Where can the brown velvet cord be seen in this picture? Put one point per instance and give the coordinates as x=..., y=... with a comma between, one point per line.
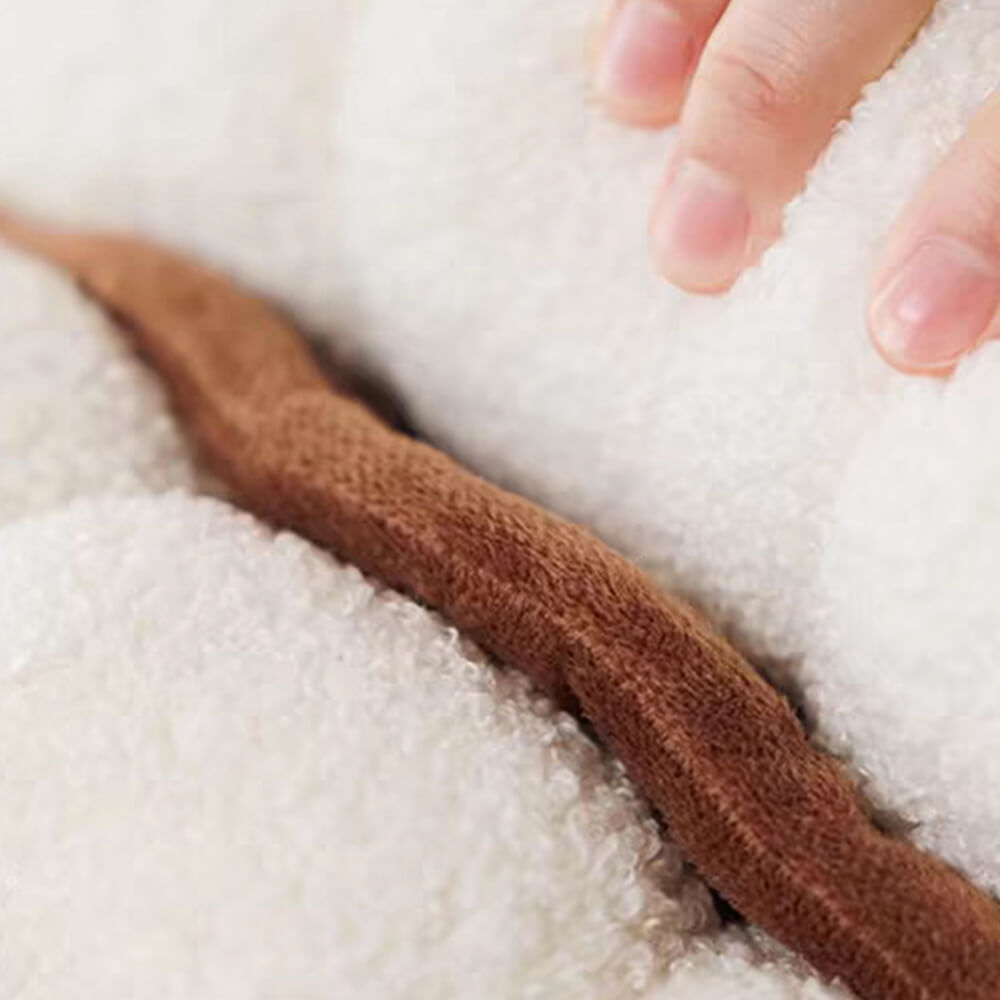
x=773, y=824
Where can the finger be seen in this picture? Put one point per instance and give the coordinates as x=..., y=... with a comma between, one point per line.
x=648, y=50
x=773, y=81
x=937, y=292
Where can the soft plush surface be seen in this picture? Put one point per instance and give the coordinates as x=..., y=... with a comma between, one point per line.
x=751, y=450
x=206, y=123
x=78, y=414
x=233, y=768
x=773, y=824
x=748, y=450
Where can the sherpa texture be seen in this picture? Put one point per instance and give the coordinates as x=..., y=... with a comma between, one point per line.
x=769, y=821
x=78, y=414
x=187, y=807
x=265, y=777
x=232, y=769
x=117, y=117
x=207, y=123
x=751, y=451
x=734, y=448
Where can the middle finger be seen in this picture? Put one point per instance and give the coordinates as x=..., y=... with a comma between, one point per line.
x=773, y=81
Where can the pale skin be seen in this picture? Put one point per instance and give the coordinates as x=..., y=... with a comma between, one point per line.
x=757, y=88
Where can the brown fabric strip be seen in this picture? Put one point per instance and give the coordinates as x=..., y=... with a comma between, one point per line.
x=774, y=825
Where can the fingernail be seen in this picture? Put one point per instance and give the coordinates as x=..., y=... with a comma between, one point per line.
x=938, y=307
x=647, y=55
x=700, y=228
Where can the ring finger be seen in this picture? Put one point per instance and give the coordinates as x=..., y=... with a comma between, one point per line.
x=766, y=90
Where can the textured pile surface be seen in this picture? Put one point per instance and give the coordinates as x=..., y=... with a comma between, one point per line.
x=774, y=825
x=209, y=124
x=751, y=450
x=78, y=414
x=233, y=768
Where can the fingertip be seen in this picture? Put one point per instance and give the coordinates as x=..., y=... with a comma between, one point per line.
x=699, y=229
x=936, y=307
x=646, y=56
x=656, y=115
x=898, y=361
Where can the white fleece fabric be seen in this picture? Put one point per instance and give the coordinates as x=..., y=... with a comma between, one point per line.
x=207, y=124
x=233, y=768
x=842, y=520
x=471, y=227
x=78, y=415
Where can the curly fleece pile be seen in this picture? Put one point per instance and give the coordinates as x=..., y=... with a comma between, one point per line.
x=750, y=451
x=771, y=822
x=233, y=768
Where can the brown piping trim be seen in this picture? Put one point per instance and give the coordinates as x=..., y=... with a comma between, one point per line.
x=770, y=822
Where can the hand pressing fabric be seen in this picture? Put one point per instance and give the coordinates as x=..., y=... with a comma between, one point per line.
x=758, y=87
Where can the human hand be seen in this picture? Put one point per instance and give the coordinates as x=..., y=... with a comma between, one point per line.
x=758, y=87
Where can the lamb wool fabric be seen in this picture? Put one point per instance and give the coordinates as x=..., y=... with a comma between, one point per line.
x=750, y=451
x=140, y=659
x=209, y=124
x=734, y=448
x=198, y=796
x=78, y=414
x=768, y=820
x=233, y=768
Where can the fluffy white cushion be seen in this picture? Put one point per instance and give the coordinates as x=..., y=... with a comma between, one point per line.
x=751, y=450
x=230, y=766
x=736, y=448
x=233, y=768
